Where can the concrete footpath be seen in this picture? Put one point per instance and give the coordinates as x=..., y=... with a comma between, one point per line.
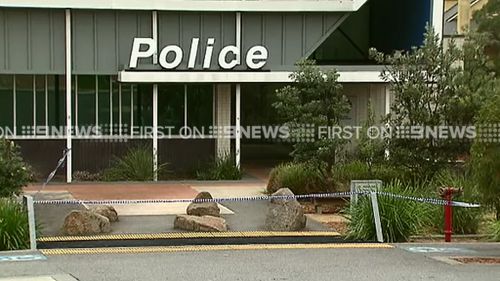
x=153, y=217
x=361, y=264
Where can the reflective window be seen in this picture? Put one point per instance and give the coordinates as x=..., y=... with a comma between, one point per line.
x=200, y=106
x=40, y=100
x=86, y=100
x=171, y=106
x=24, y=104
x=56, y=88
x=104, y=110
x=6, y=102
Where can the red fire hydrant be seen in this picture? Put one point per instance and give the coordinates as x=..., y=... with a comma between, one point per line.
x=447, y=194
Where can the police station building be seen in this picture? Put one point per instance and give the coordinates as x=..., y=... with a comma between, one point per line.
x=125, y=66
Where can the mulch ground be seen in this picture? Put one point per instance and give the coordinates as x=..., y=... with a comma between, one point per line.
x=477, y=260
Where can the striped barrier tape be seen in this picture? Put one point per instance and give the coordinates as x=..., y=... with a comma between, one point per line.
x=434, y=201
x=255, y=198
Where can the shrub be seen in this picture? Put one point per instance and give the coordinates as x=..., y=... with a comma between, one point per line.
x=14, y=227
x=465, y=220
x=222, y=168
x=399, y=218
x=86, y=176
x=135, y=165
x=486, y=154
x=300, y=178
x=14, y=173
x=494, y=231
x=316, y=98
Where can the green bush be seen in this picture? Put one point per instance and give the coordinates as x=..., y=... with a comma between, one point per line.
x=399, y=218
x=86, y=176
x=465, y=220
x=300, y=178
x=14, y=173
x=14, y=227
x=495, y=231
x=222, y=168
x=135, y=165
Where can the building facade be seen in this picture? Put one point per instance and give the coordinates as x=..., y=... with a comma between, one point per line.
x=137, y=72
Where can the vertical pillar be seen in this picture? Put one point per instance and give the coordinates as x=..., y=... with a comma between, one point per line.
x=387, y=109
x=463, y=16
x=28, y=202
x=154, y=27
x=376, y=217
x=437, y=16
x=69, y=160
x=223, y=118
x=155, y=131
x=238, y=126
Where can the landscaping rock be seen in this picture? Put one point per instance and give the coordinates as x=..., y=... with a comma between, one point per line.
x=205, y=208
x=107, y=211
x=285, y=214
x=85, y=223
x=200, y=224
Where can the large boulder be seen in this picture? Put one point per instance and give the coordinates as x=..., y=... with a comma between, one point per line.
x=200, y=224
x=285, y=214
x=203, y=208
x=85, y=223
x=107, y=211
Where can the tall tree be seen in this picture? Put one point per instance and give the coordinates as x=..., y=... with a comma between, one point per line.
x=487, y=21
x=428, y=87
x=314, y=100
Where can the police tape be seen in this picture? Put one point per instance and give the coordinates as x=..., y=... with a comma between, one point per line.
x=433, y=201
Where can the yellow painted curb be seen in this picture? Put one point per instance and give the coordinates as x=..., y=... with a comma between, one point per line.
x=204, y=248
x=179, y=235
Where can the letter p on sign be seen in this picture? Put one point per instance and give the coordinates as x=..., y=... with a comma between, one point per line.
x=137, y=53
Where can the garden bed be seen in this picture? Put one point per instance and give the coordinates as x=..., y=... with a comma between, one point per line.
x=478, y=260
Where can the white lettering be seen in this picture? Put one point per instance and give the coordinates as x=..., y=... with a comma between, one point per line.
x=256, y=57
x=136, y=50
x=177, y=58
x=223, y=55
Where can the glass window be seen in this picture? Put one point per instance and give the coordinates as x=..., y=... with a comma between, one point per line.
x=6, y=103
x=40, y=100
x=86, y=100
x=104, y=110
x=56, y=100
x=24, y=104
x=126, y=93
x=200, y=106
x=115, y=124
x=143, y=103
x=171, y=106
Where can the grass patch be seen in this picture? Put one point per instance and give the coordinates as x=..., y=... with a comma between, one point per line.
x=223, y=168
x=14, y=227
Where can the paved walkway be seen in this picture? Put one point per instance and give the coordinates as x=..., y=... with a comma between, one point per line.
x=361, y=264
x=142, y=218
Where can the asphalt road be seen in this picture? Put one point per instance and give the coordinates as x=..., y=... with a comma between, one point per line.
x=309, y=264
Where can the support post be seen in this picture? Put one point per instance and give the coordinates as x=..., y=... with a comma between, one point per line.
x=238, y=126
x=448, y=218
x=155, y=132
x=437, y=17
x=376, y=216
x=69, y=158
x=28, y=202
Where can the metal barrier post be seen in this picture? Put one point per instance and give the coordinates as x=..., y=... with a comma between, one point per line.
x=28, y=202
x=448, y=219
x=376, y=216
